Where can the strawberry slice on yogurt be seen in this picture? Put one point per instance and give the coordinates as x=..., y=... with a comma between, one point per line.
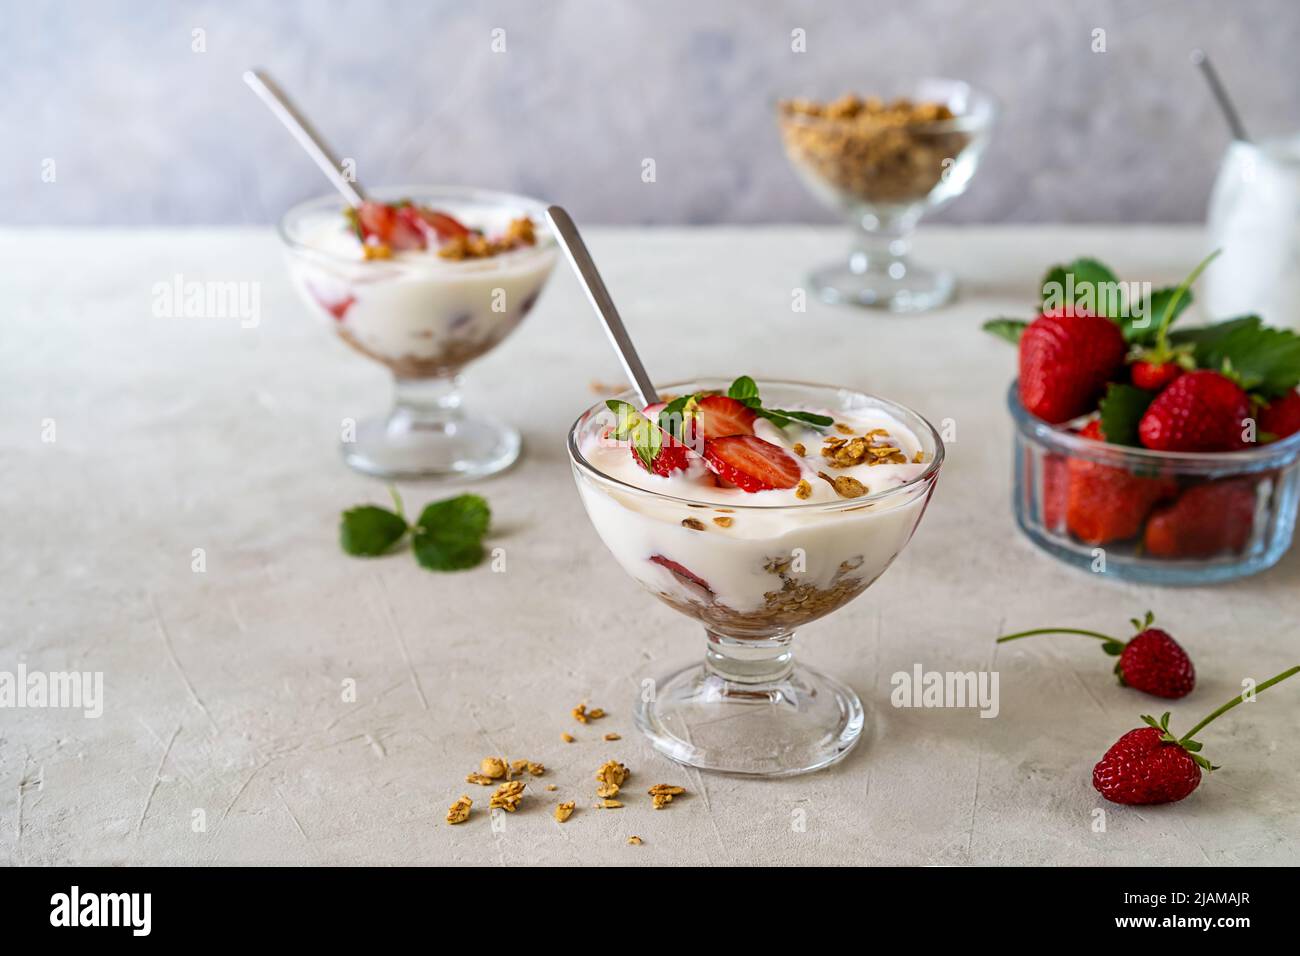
x=750, y=463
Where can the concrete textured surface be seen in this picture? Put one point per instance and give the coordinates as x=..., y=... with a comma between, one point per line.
x=142, y=129
x=223, y=690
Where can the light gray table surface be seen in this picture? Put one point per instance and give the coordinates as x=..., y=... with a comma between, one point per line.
x=225, y=735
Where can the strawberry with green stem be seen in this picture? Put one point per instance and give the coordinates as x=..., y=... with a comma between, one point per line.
x=1151, y=765
x=1151, y=661
x=1156, y=366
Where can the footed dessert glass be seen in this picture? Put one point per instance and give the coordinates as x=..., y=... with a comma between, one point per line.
x=749, y=708
x=883, y=168
x=424, y=318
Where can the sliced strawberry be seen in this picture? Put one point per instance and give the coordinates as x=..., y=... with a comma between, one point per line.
x=673, y=456
x=391, y=225
x=680, y=572
x=335, y=307
x=445, y=226
x=751, y=463
x=723, y=416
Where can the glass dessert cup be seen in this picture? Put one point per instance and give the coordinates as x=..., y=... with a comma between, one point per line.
x=883, y=177
x=749, y=708
x=1155, y=517
x=424, y=318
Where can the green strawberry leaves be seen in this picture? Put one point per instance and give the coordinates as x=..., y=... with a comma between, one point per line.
x=638, y=431
x=1008, y=329
x=449, y=534
x=447, y=537
x=1122, y=409
x=1085, y=283
x=1263, y=359
x=369, y=531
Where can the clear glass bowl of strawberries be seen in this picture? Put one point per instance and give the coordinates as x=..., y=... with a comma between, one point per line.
x=1148, y=452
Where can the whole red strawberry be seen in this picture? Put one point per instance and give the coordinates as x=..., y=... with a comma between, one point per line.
x=1066, y=359
x=1154, y=663
x=1206, y=519
x=1200, y=411
x=1154, y=376
x=1151, y=661
x=1151, y=765
x=1105, y=503
x=1144, y=767
x=1280, y=417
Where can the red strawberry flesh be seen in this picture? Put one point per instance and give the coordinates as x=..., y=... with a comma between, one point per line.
x=722, y=416
x=750, y=463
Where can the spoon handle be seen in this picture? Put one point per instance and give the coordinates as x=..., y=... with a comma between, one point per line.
x=302, y=131
x=1202, y=62
x=575, y=250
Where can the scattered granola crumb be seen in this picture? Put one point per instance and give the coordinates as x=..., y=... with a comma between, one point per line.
x=608, y=804
x=661, y=794
x=695, y=524
x=564, y=810
x=918, y=458
x=722, y=521
x=376, y=250
x=551, y=786
x=481, y=779
x=843, y=429
x=507, y=796
x=799, y=449
x=803, y=489
x=568, y=738
x=493, y=767
x=596, y=713
x=519, y=767
x=613, y=736
x=635, y=841
x=611, y=776
x=458, y=812
x=580, y=713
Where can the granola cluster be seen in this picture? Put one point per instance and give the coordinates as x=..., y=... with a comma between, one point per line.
x=475, y=245
x=458, y=812
x=661, y=794
x=507, y=796
x=870, y=150
x=611, y=777
x=582, y=715
x=876, y=447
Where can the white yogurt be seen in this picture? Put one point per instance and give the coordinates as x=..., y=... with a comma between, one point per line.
x=766, y=526
x=416, y=307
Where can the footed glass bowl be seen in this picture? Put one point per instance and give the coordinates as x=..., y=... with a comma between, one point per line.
x=749, y=708
x=1151, y=516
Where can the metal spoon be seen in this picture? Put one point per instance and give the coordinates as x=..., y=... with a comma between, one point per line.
x=575, y=250
x=301, y=130
x=1202, y=61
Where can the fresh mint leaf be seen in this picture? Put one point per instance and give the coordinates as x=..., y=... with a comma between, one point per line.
x=449, y=534
x=1085, y=283
x=1009, y=329
x=1122, y=409
x=369, y=530
x=743, y=388
x=1265, y=360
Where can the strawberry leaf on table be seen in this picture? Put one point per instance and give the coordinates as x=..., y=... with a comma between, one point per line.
x=1009, y=329
x=1122, y=409
x=1058, y=290
x=449, y=534
x=1263, y=359
x=369, y=530
x=745, y=391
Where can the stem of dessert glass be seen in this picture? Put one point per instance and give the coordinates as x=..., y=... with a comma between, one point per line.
x=749, y=660
x=883, y=238
x=425, y=404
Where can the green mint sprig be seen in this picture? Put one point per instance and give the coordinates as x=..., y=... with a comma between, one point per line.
x=745, y=391
x=448, y=536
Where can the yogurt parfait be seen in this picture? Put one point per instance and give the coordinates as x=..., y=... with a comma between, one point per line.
x=754, y=511
x=423, y=280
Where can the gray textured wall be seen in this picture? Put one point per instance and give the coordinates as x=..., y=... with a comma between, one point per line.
x=143, y=129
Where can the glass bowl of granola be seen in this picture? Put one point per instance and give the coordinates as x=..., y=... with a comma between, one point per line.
x=883, y=161
x=754, y=512
x=423, y=280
